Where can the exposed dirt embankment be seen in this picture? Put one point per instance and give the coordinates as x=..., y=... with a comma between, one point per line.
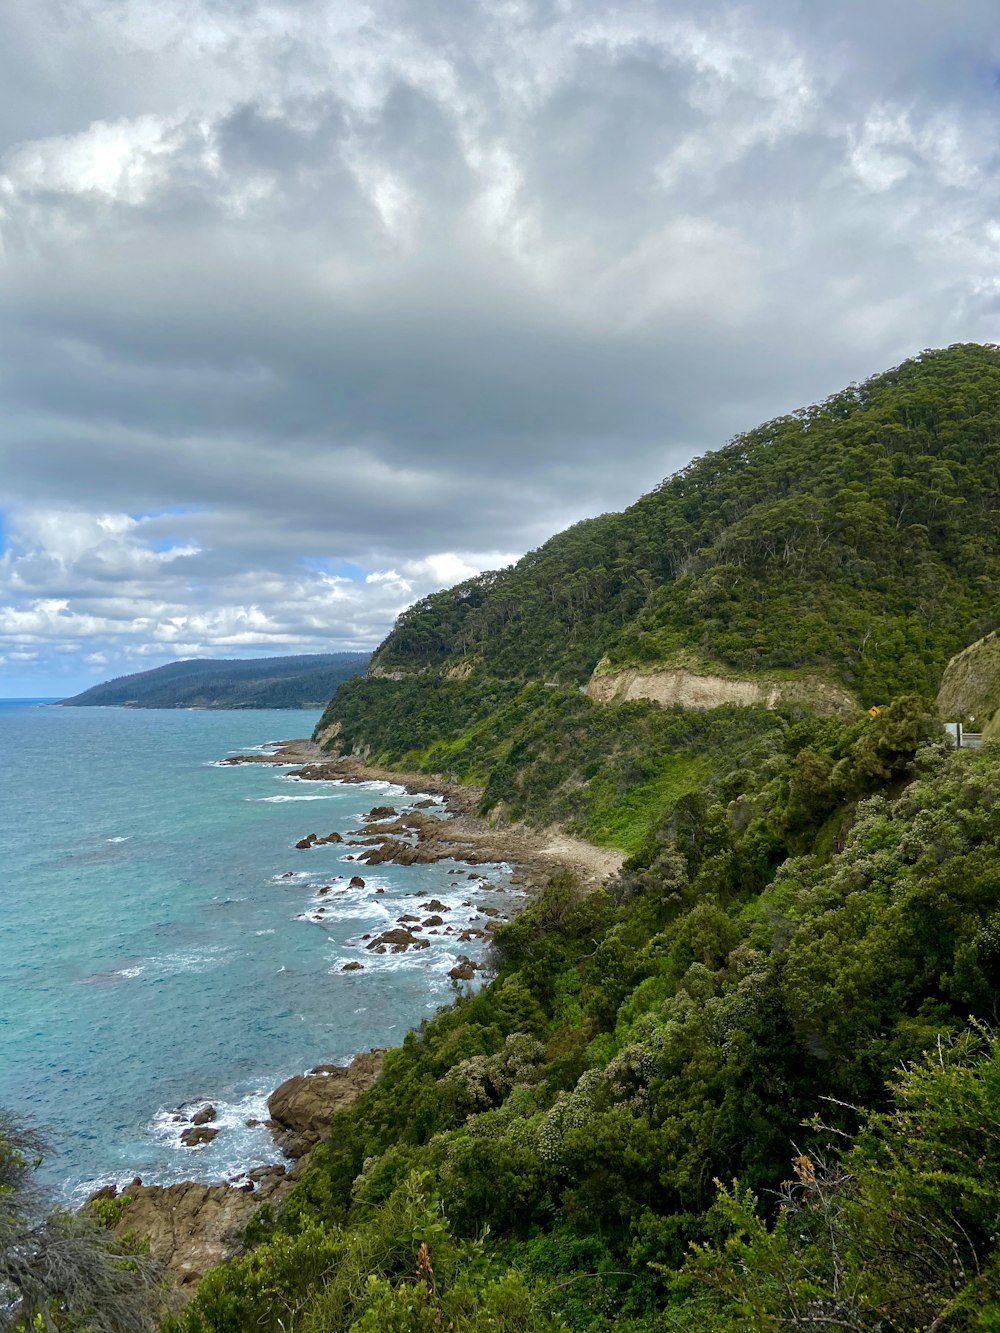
x=970, y=687
x=691, y=689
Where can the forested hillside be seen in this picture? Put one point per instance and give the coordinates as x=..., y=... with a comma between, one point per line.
x=792, y=981
x=305, y=681
x=854, y=542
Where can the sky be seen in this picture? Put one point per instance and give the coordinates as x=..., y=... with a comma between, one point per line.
x=308, y=308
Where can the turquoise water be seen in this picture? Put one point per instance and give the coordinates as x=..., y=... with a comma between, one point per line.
x=157, y=951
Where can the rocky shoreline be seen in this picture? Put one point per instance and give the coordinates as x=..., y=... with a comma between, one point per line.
x=191, y=1227
x=536, y=854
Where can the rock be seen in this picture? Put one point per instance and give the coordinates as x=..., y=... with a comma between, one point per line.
x=486, y=910
x=305, y=843
x=434, y=906
x=434, y=921
x=356, y=882
x=324, y=891
x=330, y=838
x=408, y=916
x=193, y=1227
x=424, y=805
x=381, y=812
x=302, y=1105
x=396, y=941
x=380, y=890
x=353, y=967
x=204, y=1117
x=252, y=1123
x=464, y=969
x=197, y=1135
x=470, y=933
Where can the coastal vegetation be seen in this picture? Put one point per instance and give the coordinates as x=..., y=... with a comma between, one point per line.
x=853, y=542
x=753, y=1083
x=60, y=1269
x=305, y=681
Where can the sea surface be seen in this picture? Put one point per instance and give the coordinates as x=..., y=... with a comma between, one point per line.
x=165, y=945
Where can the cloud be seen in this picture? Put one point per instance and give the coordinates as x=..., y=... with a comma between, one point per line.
x=298, y=285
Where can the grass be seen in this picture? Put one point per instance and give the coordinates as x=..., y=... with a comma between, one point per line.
x=627, y=822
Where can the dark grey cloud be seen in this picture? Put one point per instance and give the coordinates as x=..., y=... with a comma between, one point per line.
x=404, y=288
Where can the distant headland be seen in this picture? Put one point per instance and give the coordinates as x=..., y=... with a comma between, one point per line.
x=304, y=681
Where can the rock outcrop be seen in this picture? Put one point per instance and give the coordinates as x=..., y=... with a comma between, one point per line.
x=301, y=1107
x=970, y=687
x=314, y=840
x=191, y=1227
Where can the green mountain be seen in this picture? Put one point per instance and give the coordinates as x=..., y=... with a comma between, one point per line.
x=305, y=681
x=831, y=559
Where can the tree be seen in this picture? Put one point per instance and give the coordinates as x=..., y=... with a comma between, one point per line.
x=61, y=1270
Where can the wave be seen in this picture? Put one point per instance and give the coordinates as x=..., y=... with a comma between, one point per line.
x=237, y=1143
x=168, y=964
x=277, y=800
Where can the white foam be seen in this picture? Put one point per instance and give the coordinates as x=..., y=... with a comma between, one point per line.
x=167, y=1126
x=193, y=960
x=117, y=839
x=278, y=800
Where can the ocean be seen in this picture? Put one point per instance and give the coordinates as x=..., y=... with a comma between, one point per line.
x=162, y=938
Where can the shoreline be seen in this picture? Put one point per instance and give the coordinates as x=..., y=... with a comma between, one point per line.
x=536, y=854
x=190, y=1224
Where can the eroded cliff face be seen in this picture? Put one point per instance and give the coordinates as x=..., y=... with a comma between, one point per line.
x=192, y=1227
x=970, y=687
x=670, y=686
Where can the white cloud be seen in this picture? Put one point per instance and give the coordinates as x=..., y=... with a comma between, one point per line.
x=290, y=287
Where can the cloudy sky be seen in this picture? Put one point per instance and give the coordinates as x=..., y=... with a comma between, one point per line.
x=308, y=307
